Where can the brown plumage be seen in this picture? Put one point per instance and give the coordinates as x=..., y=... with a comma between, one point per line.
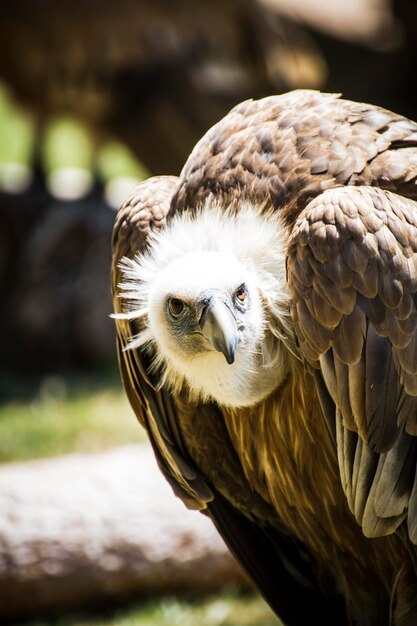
x=312, y=481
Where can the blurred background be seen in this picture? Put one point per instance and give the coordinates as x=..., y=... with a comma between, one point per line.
x=95, y=97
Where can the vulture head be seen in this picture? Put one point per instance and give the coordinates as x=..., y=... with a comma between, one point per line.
x=213, y=303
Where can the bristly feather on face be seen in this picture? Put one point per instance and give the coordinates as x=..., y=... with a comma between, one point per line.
x=213, y=249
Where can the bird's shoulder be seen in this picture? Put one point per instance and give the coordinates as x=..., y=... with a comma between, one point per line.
x=283, y=150
x=146, y=207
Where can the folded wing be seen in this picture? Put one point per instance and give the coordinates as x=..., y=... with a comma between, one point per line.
x=352, y=272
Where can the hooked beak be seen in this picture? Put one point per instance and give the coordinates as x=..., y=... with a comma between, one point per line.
x=219, y=327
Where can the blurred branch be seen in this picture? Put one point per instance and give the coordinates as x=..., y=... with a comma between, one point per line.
x=86, y=527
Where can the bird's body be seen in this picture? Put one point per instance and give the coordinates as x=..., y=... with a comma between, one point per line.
x=266, y=329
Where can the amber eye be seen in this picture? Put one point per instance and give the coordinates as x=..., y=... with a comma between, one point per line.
x=176, y=307
x=241, y=294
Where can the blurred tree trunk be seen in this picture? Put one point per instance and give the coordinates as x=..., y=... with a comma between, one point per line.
x=84, y=529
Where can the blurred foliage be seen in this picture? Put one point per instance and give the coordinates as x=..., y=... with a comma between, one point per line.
x=67, y=143
x=75, y=415
x=115, y=159
x=226, y=610
x=16, y=131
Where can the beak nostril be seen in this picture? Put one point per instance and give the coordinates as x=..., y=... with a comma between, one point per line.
x=206, y=300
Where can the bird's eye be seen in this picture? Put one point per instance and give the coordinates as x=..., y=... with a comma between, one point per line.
x=176, y=307
x=241, y=293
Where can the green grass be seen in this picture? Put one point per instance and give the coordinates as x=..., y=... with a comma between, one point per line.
x=67, y=416
x=220, y=611
x=226, y=610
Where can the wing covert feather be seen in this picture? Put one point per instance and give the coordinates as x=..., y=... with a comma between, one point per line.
x=367, y=350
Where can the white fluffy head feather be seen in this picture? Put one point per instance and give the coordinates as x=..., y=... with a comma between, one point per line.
x=213, y=248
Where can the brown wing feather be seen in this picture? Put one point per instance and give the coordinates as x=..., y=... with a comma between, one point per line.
x=371, y=373
x=284, y=150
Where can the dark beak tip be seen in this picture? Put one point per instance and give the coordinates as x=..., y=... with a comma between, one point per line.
x=230, y=352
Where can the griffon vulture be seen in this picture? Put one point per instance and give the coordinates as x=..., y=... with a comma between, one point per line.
x=265, y=304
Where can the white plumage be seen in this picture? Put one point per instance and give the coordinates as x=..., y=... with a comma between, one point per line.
x=213, y=250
